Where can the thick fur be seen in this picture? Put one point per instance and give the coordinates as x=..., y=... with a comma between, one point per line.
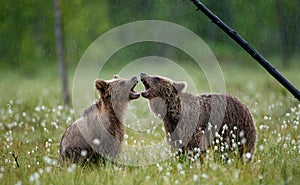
x=195, y=122
x=99, y=133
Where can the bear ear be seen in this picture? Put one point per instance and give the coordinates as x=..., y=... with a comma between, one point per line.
x=101, y=85
x=180, y=86
x=116, y=76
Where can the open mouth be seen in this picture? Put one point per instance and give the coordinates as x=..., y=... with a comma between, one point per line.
x=132, y=94
x=146, y=93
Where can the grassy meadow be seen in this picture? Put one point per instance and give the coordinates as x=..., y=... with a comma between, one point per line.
x=33, y=119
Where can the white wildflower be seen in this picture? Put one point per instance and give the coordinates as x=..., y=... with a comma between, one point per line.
x=179, y=166
x=236, y=174
x=204, y=176
x=243, y=141
x=261, y=147
x=195, y=177
x=96, y=141
x=83, y=153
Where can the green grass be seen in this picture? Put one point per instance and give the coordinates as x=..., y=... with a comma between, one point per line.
x=33, y=119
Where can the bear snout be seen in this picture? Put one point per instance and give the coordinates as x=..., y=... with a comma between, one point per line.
x=143, y=75
x=132, y=94
x=134, y=79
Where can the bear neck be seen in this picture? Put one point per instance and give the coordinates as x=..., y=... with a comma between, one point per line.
x=115, y=113
x=172, y=118
x=115, y=124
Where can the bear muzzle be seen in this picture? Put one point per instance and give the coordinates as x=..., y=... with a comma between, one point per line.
x=133, y=94
x=146, y=93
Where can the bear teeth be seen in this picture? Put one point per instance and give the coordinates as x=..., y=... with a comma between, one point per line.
x=132, y=88
x=146, y=93
x=147, y=86
x=133, y=94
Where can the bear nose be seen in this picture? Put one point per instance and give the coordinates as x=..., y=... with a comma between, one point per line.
x=143, y=75
x=134, y=78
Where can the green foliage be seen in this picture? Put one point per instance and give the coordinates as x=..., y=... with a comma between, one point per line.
x=27, y=33
x=27, y=27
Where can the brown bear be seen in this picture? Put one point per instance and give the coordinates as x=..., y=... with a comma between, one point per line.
x=99, y=133
x=195, y=122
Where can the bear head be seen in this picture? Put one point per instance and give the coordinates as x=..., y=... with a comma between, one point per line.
x=117, y=90
x=160, y=87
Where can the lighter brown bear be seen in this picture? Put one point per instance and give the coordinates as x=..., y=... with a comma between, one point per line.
x=196, y=122
x=99, y=133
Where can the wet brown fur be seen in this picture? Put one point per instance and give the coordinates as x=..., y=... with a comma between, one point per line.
x=102, y=121
x=187, y=117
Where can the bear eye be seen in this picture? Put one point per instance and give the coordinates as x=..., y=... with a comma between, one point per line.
x=156, y=79
x=122, y=83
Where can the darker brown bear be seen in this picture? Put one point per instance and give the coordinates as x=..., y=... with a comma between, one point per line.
x=99, y=133
x=195, y=122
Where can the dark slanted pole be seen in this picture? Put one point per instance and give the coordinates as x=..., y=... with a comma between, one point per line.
x=244, y=44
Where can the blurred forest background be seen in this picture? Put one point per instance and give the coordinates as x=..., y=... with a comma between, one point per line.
x=28, y=44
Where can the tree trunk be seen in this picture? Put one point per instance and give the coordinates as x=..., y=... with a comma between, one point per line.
x=60, y=52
